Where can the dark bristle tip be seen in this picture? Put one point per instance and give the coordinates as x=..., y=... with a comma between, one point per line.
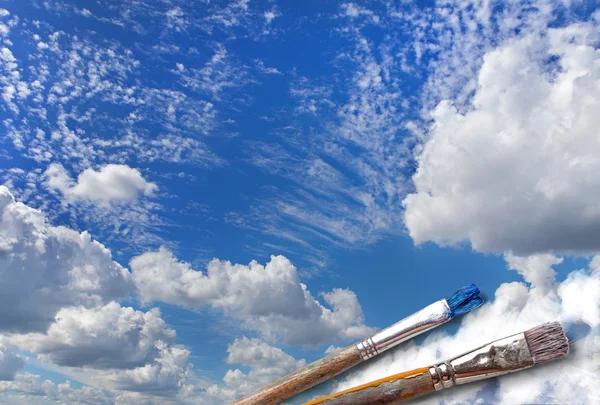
x=547, y=342
x=464, y=300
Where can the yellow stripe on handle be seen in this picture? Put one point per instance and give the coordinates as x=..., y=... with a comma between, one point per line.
x=388, y=390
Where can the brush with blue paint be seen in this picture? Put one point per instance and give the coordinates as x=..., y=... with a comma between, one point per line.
x=462, y=301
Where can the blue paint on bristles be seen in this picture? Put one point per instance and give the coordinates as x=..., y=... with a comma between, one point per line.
x=464, y=300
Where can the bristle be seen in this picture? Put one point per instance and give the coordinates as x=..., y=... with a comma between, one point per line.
x=464, y=300
x=547, y=342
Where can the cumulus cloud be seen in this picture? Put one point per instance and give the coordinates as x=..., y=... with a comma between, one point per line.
x=267, y=364
x=284, y=308
x=44, y=268
x=10, y=361
x=112, y=182
x=57, y=301
x=167, y=374
x=517, y=170
x=110, y=336
x=123, y=349
x=536, y=269
x=516, y=307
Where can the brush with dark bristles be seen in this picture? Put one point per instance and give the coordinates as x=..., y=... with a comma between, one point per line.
x=462, y=301
x=547, y=342
x=541, y=344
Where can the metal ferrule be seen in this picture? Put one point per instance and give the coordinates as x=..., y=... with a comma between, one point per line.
x=419, y=322
x=497, y=358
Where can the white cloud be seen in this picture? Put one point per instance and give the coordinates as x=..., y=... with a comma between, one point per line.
x=57, y=285
x=537, y=269
x=270, y=16
x=260, y=66
x=176, y=19
x=516, y=171
x=351, y=10
x=284, y=309
x=10, y=361
x=233, y=14
x=106, y=337
x=10, y=79
x=111, y=183
x=85, y=12
x=354, y=10
x=267, y=364
x=45, y=267
x=516, y=307
x=332, y=349
x=167, y=374
x=117, y=348
x=219, y=73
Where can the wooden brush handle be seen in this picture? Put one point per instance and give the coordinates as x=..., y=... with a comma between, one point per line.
x=389, y=390
x=305, y=378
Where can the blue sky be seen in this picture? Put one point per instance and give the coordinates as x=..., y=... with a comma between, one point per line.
x=373, y=156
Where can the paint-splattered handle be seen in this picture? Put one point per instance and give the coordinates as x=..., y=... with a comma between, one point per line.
x=305, y=378
x=387, y=391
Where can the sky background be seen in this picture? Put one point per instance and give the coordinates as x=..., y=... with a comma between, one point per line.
x=202, y=196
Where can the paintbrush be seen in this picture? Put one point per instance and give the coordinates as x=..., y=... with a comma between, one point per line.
x=541, y=344
x=464, y=300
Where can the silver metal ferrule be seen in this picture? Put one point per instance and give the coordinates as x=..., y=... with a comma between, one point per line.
x=497, y=358
x=413, y=325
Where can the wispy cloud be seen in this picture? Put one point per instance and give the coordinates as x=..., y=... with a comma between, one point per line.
x=351, y=174
x=219, y=73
